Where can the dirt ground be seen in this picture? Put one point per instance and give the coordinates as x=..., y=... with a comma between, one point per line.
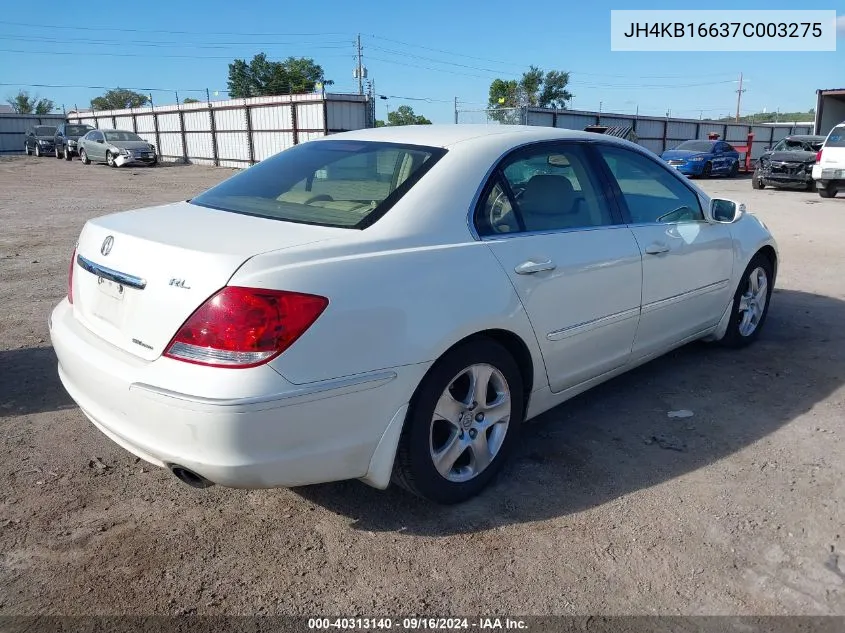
x=591, y=516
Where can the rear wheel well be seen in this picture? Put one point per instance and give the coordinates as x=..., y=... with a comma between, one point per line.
x=517, y=348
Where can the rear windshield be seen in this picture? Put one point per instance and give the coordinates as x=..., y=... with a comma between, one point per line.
x=837, y=137
x=77, y=130
x=696, y=146
x=347, y=184
x=44, y=130
x=117, y=135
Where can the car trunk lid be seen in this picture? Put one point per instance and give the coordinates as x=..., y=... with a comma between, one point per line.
x=140, y=274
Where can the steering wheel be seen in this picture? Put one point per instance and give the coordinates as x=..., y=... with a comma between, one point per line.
x=497, y=212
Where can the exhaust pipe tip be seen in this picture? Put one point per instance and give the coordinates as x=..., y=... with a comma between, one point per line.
x=190, y=478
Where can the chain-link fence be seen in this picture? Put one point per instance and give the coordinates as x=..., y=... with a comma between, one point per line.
x=496, y=116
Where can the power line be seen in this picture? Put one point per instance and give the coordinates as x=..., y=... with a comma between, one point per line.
x=219, y=45
x=125, y=30
x=87, y=54
x=145, y=89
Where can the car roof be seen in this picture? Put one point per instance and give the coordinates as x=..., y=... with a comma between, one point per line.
x=445, y=135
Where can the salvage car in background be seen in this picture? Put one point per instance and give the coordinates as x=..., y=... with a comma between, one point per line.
x=703, y=158
x=116, y=148
x=276, y=330
x=789, y=163
x=66, y=139
x=829, y=170
x=39, y=140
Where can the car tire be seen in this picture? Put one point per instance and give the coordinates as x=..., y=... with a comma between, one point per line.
x=84, y=157
x=744, y=326
x=68, y=155
x=707, y=171
x=734, y=172
x=470, y=464
x=57, y=153
x=757, y=181
x=154, y=163
x=110, y=160
x=828, y=192
x=27, y=150
x=37, y=150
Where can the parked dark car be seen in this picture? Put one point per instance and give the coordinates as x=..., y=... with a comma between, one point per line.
x=703, y=158
x=39, y=140
x=67, y=136
x=789, y=163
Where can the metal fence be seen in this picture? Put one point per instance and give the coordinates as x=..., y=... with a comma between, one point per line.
x=237, y=132
x=654, y=133
x=13, y=129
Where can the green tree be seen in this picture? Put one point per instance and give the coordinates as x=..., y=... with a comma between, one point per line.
x=190, y=100
x=119, y=99
x=261, y=76
x=22, y=103
x=535, y=88
x=405, y=115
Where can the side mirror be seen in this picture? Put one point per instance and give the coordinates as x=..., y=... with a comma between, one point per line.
x=725, y=211
x=100, y=141
x=767, y=149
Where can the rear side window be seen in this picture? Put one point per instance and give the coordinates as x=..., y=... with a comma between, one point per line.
x=650, y=191
x=836, y=137
x=347, y=184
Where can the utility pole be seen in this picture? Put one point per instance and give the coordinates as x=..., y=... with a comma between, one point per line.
x=456, y=110
x=360, y=72
x=739, y=97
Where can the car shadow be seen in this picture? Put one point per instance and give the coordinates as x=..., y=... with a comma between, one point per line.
x=29, y=382
x=618, y=438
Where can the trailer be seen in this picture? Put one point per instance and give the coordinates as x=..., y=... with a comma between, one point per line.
x=830, y=110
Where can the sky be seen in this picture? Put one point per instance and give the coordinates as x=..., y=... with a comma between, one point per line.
x=422, y=54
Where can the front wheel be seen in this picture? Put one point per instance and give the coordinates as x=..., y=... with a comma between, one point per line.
x=828, y=192
x=757, y=181
x=110, y=159
x=751, y=303
x=463, y=420
x=27, y=150
x=84, y=157
x=68, y=155
x=708, y=170
x=57, y=152
x=734, y=170
x=37, y=150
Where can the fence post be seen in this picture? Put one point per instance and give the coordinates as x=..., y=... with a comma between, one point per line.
x=665, y=132
x=213, y=135
x=183, y=135
x=325, y=116
x=293, y=123
x=155, y=127
x=249, y=144
x=698, y=130
x=134, y=120
x=772, y=136
x=725, y=132
x=554, y=118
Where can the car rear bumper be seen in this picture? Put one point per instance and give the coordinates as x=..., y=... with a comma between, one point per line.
x=279, y=434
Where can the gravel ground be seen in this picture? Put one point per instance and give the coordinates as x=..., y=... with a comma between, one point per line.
x=591, y=516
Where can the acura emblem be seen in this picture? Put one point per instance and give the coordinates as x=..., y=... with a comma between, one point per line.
x=105, y=249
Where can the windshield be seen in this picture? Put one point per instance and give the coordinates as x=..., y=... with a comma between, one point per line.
x=330, y=183
x=696, y=146
x=77, y=130
x=122, y=136
x=837, y=137
x=44, y=130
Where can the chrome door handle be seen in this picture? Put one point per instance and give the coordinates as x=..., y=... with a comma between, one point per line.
x=530, y=267
x=656, y=249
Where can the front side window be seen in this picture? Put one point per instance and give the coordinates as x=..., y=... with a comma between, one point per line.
x=696, y=146
x=117, y=135
x=330, y=183
x=543, y=189
x=651, y=192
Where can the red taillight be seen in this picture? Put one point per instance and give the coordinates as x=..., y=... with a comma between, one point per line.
x=70, y=277
x=244, y=327
x=819, y=156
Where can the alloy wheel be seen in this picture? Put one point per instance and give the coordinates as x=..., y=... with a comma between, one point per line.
x=752, y=304
x=470, y=423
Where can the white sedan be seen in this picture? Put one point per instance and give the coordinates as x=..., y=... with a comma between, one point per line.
x=393, y=304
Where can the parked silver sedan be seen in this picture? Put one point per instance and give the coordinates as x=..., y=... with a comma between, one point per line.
x=116, y=148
